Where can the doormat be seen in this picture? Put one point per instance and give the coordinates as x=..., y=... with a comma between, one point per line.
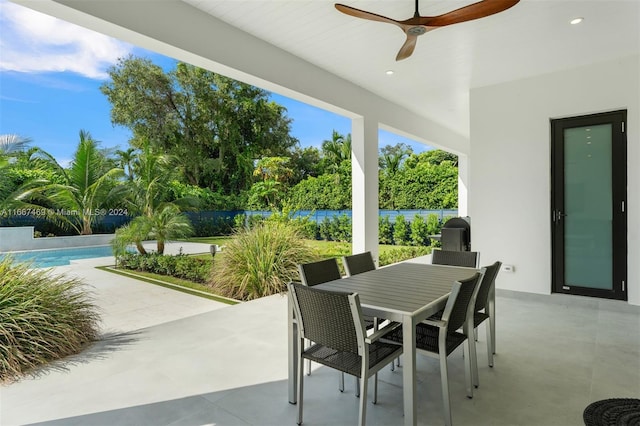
x=613, y=412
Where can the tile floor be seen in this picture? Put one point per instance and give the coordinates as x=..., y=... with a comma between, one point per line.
x=228, y=366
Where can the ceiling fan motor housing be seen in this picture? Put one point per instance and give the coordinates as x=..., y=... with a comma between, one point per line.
x=416, y=31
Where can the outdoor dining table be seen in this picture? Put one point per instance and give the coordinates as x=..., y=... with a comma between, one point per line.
x=405, y=292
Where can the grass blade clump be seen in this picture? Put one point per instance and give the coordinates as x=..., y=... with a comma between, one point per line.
x=43, y=317
x=261, y=261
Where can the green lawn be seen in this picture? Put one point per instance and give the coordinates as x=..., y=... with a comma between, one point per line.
x=325, y=248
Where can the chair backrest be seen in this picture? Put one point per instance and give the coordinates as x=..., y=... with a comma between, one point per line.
x=462, y=293
x=455, y=258
x=358, y=263
x=323, y=271
x=488, y=281
x=328, y=318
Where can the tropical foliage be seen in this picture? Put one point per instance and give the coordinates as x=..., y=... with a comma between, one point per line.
x=212, y=125
x=43, y=317
x=87, y=184
x=202, y=141
x=11, y=144
x=260, y=261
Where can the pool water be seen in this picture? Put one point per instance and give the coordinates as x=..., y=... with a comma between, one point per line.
x=59, y=257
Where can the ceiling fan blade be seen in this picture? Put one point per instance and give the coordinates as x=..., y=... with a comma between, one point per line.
x=477, y=10
x=407, y=48
x=364, y=14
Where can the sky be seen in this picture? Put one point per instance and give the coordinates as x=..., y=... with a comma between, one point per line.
x=51, y=71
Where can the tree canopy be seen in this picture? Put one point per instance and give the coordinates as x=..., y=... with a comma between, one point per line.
x=214, y=126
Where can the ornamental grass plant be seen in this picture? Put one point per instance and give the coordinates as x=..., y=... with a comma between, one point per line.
x=43, y=317
x=261, y=261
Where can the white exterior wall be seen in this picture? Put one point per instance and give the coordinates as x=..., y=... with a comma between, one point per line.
x=510, y=177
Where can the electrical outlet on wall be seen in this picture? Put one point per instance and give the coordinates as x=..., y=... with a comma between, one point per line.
x=508, y=268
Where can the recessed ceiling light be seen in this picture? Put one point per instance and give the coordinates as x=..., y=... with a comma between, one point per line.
x=389, y=72
x=576, y=21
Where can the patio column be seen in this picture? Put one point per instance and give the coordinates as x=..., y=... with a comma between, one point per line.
x=463, y=184
x=364, y=173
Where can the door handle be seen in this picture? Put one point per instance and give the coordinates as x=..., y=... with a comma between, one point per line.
x=557, y=215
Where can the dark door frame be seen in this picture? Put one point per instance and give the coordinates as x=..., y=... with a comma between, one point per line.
x=618, y=119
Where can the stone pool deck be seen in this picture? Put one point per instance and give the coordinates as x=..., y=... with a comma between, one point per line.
x=127, y=304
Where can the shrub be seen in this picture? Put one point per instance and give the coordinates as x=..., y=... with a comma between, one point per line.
x=261, y=261
x=324, y=229
x=399, y=254
x=341, y=228
x=433, y=227
x=179, y=266
x=385, y=230
x=307, y=227
x=419, y=231
x=43, y=317
x=400, y=231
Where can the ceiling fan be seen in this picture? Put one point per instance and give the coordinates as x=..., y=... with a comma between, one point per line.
x=418, y=25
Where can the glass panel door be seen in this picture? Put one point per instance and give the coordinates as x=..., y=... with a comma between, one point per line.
x=587, y=207
x=588, y=213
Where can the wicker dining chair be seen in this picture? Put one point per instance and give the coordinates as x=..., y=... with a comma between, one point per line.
x=483, y=311
x=358, y=263
x=333, y=321
x=314, y=273
x=439, y=338
x=467, y=259
x=319, y=272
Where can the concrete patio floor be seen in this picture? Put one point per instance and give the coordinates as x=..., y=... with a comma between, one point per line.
x=228, y=366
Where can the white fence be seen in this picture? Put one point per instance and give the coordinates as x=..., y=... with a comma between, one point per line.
x=21, y=238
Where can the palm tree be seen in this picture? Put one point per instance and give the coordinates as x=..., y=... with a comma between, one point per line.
x=392, y=156
x=168, y=223
x=165, y=224
x=134, y=232
x=337, y=150
x=88, y=184
x=152, y=172
x=126, y=160
x=146, y=194
x=11, y=143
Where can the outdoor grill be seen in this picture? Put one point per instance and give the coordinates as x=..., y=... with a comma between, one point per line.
x=456, y=234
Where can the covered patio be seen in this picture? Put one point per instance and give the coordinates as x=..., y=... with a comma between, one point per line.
x=485, y=90
x=228, y=366
x=487, y=95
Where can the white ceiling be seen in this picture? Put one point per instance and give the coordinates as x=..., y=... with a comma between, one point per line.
x=534, y=37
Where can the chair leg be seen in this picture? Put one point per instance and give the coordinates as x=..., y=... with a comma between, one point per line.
x=307, y=343
x=468, y=370
x=444, y=378
x=375, y=388
x=357, y=388
x=363, y=400
x=341, y=382
x=397, y=361
x=300, y=388
x=492, y=321
x=473, y=356
x=489, y=343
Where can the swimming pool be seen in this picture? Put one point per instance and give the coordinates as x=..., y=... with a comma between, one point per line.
x=59, y=257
